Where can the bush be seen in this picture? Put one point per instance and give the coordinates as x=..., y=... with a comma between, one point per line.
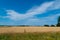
x=46, y=25
x=52, y=25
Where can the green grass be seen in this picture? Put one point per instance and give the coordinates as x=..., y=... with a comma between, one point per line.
x=30, y=36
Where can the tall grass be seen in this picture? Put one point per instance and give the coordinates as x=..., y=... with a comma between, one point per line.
x=30, y=36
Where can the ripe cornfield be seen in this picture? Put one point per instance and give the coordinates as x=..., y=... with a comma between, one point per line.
x=29, y=33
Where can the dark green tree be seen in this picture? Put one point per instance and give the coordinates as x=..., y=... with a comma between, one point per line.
x=46, y=25
x=58, y=24
x=52, y=25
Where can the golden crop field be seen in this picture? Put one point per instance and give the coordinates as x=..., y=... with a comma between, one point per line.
x=28, y=29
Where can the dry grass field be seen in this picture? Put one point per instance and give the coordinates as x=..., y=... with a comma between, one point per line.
x=28, y=29
x=29, y=33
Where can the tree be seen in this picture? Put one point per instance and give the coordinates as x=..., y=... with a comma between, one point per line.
x=58, y=24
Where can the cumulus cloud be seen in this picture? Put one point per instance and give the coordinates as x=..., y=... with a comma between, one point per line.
x=30, y=13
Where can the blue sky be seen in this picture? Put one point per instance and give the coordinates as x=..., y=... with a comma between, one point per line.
x=29, y=12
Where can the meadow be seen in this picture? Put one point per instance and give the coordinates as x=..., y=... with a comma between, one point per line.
x=31, y=36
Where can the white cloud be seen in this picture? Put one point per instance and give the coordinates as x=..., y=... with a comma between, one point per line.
x=40, y=9
x=13, y=15
x=55, y=5
x=46, y=20
x=30, y=13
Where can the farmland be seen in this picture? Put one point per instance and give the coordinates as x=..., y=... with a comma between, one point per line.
x=29, y=33
x=30, y=36
x=28, y=29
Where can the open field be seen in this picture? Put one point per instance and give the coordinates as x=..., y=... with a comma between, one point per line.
x=29, y=33
x=31, y=36
x=28, y=29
